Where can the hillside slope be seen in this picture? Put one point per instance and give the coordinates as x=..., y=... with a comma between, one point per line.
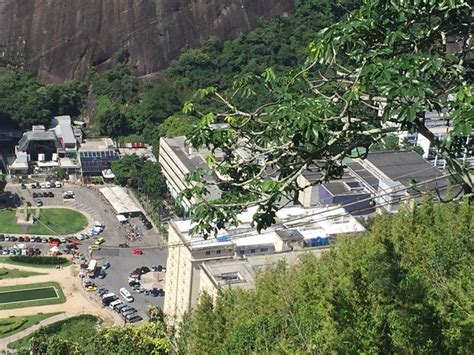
x=58, y=40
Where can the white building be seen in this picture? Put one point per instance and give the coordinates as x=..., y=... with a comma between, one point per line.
x=296, y=230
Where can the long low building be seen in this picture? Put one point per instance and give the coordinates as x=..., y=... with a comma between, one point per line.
x=120, y=200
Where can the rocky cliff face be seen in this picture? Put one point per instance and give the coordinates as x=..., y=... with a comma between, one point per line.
x=60, y=39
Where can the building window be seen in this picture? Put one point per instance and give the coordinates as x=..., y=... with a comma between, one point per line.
x=263, y=250
x=218, y=251
x=208, y=252
x=252, y=251
x=241, y=252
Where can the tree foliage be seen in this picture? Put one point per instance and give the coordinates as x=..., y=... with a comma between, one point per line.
x=177, y=125
x=406, y=287
x=140, y=174
x=25, y=102
x=367, y=76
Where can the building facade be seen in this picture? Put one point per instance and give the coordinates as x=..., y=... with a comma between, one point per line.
x=296, y=230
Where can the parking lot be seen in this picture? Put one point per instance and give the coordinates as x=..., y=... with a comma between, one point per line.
x=123, y=261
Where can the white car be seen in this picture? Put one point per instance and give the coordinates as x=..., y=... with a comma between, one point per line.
x=126, y=295
x=62, y=240
x=80, y=237
x=57, y=184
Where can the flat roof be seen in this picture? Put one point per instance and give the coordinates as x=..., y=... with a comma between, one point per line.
x=403, y=165
x=97, y=144
x=365, y=175
x=241, y=273
x=120, y=199
x=314, y=221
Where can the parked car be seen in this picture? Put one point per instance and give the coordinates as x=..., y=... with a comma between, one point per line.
x=23, y=186
x=102, y=274
x=33, y=186
x=62, y=240
x=7, y=238
x=38, y=240
x=123, y=245
x=50, y=194
x=45, y=240
x=35, y=194
x=127, y=296
x=133, y=318
x=2, y=237
x=27, y=239
x=105, y=265
x=39, y=203
x=21, y=239
x=13, y=238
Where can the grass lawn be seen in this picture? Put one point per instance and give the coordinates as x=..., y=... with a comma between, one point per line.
x=78, y=329
x=8, y=222
x=15, y=273
x=52, y=221
x=31, y=295
x=7, y=260
x=13, y=325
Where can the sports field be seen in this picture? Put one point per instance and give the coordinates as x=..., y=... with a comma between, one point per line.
x=41, y=293
x=31, y=295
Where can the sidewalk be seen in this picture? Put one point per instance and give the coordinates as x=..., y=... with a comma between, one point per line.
x=5, y=341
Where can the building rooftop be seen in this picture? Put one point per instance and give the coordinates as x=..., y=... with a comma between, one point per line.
x=63, y=129
x=38, y=134
x=365, y=175
x=310, y=223
x=241, y=273
x=97, y=144
x=403, y=165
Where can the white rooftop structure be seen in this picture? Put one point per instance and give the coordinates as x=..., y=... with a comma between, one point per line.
x=316, y=222
x=120, y=200
x=63, y=130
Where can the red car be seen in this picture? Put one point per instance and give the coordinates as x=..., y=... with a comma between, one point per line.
x=26, y=238
x=137, y=251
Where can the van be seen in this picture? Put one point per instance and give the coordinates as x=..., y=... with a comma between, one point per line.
x=126, y=294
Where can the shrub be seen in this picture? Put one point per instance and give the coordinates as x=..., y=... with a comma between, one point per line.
x=39, y=260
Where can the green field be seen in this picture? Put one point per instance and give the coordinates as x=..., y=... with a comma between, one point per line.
x=52, y=221
x=78, y=329
x=28, y=295
x=15, y=273
x=31, y=295
x=13, y=325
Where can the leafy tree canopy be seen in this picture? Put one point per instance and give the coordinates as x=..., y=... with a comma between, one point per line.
x=177, y=125
x=25, y=102
x=406, y=287
x=367, y=76
x=140, y=174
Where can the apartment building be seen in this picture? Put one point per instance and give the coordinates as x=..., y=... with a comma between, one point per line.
x=177, y=160
x=235, y=256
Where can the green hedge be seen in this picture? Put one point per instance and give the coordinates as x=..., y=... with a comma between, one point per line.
x=39, y=260
x=10, y=325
